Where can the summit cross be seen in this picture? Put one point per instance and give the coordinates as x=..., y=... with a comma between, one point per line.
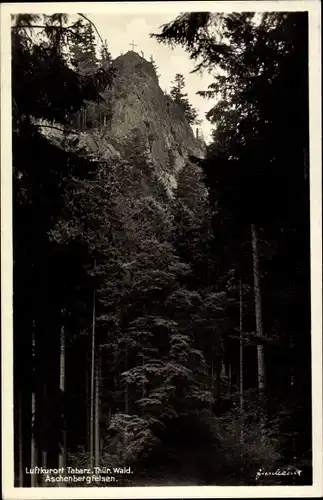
x=133, y=45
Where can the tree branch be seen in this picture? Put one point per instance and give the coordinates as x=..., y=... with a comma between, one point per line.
x=39, y=26
x=88, y=20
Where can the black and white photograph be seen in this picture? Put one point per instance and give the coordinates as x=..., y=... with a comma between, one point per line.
x=163, y=181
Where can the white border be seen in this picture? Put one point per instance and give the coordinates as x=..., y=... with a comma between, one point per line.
x=314, y=9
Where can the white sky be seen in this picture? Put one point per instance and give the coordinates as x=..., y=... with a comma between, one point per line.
x=121, y=30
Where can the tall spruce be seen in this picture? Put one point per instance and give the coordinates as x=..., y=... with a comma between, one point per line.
x=180, y=98
x=257, y=156
x=39, y=187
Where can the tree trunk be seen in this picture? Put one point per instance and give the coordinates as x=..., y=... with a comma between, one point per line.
x=212, y=381
x=44, y=451
x=92, y=388
x=88, y=413
x=223, y=370
x=33, y=454
x=241, y=399
x=143, y=388
x=126, y=391
x=258, y=310
x=62, y=454
x=217, y=369
x=241, y=395
x=33, y=451
x=230, y=378
x=97, y=412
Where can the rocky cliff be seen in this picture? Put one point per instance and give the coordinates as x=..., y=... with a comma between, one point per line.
x=141, y=112
x=140, y=109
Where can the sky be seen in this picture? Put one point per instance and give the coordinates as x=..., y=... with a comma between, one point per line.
x=121, y=30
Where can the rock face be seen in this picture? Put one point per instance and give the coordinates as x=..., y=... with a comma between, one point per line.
x=142, y=114
x=141, y=109
x=139, y=102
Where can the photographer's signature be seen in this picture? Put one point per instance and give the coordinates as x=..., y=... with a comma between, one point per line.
x=288, y=471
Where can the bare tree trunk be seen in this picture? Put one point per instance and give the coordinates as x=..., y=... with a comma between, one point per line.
x=87, y=380
x=97, y=411
x=20, y=444
x=230, y=378
x=217, y=370
x=62, y=454
x=143, y=388
x=212, y=381
x=100, y=404
x=258, y=310
x=241, y=395
x=33, y=455
x=92, y=388
x=241, y=353
x=44, y=452
x=223, y=370
x=33, y=451
x=126, y=391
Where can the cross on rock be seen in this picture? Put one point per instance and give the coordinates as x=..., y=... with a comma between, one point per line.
x=133, y=45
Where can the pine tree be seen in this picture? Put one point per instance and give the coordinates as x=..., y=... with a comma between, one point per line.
x=181, y=98
x=105, y=59
x=153, y=62
x=93, y=70
x=62, y=383
x=39, y=187
x=93, y=386
x=259, y=113
x=83, y=51
x=241, y=372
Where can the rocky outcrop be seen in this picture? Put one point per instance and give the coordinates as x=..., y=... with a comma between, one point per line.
x=138, y=102
x=139, y=106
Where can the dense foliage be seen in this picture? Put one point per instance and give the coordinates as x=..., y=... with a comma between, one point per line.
x=257, y=175
x=48, y=277
x=142, y=320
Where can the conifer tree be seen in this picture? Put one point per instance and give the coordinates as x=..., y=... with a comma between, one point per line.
x=105, y=59
x=181, y=98
x=39, y=189
x=153, y=62
x=260, y=113
x=83, y=53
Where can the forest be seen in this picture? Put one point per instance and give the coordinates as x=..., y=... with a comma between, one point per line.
x=169, y=336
